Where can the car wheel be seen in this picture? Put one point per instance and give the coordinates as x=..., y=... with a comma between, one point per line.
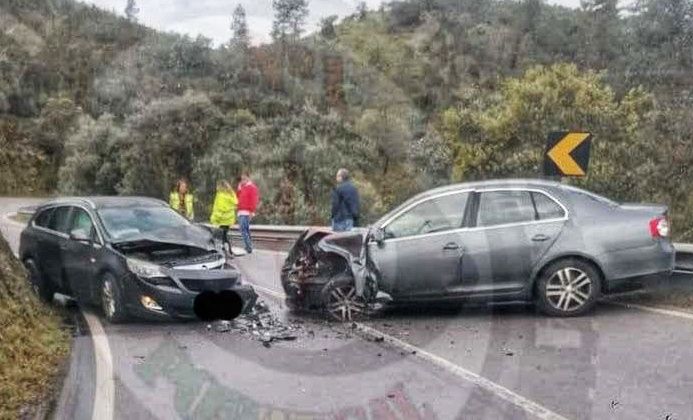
x=341, y=301
x=111, y=300
x=568, y=287
x=38, y=283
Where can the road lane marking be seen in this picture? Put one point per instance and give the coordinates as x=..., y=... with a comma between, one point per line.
x=272, y=293
x=104, y=394
x=527, y=405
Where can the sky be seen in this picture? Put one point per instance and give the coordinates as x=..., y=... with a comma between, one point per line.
x=211, y=18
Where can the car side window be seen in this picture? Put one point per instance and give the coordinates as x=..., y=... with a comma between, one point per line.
x=60, y=219
x=81, y=221
x=547, y=208
x=504, y=207
x=435, y=215
x=44, y=218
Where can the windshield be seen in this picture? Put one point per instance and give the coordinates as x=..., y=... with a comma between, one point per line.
x=133, y=222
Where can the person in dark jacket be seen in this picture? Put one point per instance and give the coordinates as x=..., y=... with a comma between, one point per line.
x=345, y=203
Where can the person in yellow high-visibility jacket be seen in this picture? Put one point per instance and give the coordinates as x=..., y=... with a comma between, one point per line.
x=182, y=200
x=224, y=210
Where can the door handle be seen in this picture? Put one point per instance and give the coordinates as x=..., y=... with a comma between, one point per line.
x=451, y=247
x=540, y=238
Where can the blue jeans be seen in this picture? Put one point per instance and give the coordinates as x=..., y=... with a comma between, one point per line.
x=244, y=226
x=343, y=226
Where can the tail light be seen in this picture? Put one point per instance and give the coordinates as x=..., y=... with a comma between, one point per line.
x=659, y=227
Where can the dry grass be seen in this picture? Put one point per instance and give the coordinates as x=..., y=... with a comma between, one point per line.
x=33, y=342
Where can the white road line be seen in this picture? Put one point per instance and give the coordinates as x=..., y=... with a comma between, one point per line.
x=504, y=393
x=104, y=392
x=271, y=293
x=523, y=403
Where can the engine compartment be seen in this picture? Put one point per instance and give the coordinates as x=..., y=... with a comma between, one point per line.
x=167, y=254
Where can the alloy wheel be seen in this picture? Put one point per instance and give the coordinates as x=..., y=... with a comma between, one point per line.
x=344, y=304
x=568, y=289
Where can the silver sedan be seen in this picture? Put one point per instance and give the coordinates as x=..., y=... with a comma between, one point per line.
x=510, y=240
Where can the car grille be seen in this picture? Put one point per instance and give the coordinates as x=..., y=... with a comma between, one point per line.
x=196, y=285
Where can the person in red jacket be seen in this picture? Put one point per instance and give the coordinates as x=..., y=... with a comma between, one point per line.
x=248, y=198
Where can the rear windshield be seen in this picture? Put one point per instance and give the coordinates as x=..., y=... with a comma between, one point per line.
x=131, y=222
x=591, y=196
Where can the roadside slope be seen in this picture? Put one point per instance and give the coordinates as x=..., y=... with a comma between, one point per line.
x=33, y=343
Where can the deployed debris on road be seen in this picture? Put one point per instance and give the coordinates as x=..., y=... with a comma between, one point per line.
x=262, y=325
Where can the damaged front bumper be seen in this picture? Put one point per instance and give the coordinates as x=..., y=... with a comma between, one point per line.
x=175, y=293
x=320, y=256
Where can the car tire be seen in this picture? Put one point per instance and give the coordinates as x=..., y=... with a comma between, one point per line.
x=41, y=287
x=112, y=300
x=340, y=301
x=568, y=287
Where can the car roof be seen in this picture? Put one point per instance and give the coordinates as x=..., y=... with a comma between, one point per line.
x=103, y=202
x=494, y=183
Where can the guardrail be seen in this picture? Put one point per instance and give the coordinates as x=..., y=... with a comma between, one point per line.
x=271, y=237
x=684, y=257
x=280, y=238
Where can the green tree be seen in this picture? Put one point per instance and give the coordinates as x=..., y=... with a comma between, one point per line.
x=361, y=10
x=239, y=27
x=327, y=30
x=505, y=137
x=164, y=140
x=57, y=120
x=92, y=164
x=289, y=20
x=663, y=47
x=601, y=31
x=131, y=10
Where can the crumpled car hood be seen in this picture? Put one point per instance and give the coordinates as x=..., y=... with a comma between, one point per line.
x=193, y=236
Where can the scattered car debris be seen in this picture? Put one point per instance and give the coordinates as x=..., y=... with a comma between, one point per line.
x=262, y=325
x=222, y=326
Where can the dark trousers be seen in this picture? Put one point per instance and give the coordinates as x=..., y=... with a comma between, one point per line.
x=225, y=237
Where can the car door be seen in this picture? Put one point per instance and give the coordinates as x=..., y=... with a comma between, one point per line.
x=512, y=229
x=51, y=243
x=421, y=252
x=80, y=257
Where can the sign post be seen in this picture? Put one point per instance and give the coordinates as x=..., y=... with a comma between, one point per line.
x=567, y=154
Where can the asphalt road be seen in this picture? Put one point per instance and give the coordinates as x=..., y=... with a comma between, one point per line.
x=505, y=362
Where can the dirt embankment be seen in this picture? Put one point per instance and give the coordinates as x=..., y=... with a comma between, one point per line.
x=34, y=343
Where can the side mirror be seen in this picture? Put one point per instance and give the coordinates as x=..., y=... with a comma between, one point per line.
x=379, y=236
x=80, y=235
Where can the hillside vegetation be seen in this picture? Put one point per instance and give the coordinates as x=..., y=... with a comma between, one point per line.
x=416, y=94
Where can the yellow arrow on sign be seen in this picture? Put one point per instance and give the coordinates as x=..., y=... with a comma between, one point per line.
x=560, y=154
